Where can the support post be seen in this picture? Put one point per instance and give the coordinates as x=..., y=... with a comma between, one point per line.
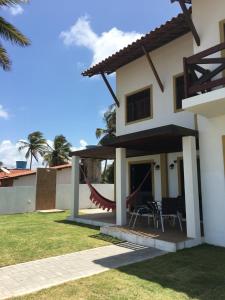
x=153, y=68
x=191, y=187
x=189, y=21
x=121, y=210
x=110, y=89
x=75, y=183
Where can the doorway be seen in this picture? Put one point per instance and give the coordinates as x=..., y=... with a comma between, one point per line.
x=138, y=172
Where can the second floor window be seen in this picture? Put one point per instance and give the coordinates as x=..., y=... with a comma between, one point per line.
x=178, y=92
x=138, y=106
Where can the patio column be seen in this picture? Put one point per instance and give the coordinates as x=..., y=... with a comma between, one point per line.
x=191, y=187
x=121, y=213
x=75, y=182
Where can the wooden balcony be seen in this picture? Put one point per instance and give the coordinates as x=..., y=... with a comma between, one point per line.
x=204, y=71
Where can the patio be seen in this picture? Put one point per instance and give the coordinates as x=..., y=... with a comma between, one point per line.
x=171, y=240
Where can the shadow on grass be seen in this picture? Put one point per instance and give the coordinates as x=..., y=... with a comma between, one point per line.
x=199, y=272
x=106, y=238
x=73, y=223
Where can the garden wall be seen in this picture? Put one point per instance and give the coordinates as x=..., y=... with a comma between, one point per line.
x=63, y=191
x=17, y=199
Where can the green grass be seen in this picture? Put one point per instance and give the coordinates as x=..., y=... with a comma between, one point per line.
x=32, y=236
x=197, y=273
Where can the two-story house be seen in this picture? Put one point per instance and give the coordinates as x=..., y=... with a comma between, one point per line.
x=170, y=119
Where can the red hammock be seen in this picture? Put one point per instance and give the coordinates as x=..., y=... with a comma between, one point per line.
x=105, y=203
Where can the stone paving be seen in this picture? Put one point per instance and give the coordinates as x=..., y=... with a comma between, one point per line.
x=33, y=276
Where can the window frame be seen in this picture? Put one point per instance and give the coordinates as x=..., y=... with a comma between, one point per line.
x=150, y=87
x=175, y=109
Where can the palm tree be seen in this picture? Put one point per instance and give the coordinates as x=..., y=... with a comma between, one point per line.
x=10, y=33
x=35, y=145
x=59, y=153
x=109, y=132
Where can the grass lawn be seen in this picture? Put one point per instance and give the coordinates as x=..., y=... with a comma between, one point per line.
x=32, y=236
x=197, y=273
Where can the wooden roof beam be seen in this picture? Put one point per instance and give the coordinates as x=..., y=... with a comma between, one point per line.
x=153, y=68
x=188, y=18
x=110, y=89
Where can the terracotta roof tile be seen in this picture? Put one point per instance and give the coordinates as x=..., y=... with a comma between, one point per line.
x=16, y=173
x=157, y=38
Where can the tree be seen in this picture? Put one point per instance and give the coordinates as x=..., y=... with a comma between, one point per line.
x=35, y=145
x=10, y=33
x=59, y=153
x=107, y=133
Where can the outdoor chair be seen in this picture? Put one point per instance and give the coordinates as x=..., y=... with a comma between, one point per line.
x=144, y=208
x=171, y=208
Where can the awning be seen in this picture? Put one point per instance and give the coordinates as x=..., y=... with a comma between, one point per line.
x=164, y=139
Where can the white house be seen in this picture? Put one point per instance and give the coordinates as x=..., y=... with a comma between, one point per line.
x=170, y=107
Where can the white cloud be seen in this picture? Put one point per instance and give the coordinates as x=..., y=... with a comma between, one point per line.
x=9, y=153
x=3, y=113
x=16, y=10
x=82, y=146
x=103, y=45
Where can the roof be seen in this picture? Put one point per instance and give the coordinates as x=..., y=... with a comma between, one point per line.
x=14, y=173
x=157, y=38
x=164, y=139
x=62, y=167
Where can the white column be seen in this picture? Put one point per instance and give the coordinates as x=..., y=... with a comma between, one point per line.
x=121, y=213
x=75, y=182
x=191, y=187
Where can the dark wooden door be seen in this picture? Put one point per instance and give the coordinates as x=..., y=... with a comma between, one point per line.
x=137, y=174
x=45, y=189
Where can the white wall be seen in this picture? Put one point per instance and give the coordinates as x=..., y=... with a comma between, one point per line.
x=29, y=180
x=17, y=200
x=173, y=174
x=212, y=178
x=63, y=195
x=168, y=61
x=206, y=16
x=63, y=176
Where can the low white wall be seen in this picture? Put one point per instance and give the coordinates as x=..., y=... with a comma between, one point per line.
x=17, y=200
x=25, y=181
x=63, y=192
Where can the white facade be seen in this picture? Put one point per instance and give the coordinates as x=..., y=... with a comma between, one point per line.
x=138, y=75
x=207, y=15
x=210, y=107
x=205, y=113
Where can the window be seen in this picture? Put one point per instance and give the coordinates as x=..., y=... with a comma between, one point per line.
x=138, y=106
x=178, y=92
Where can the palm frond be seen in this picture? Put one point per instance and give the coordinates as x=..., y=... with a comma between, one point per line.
x=10, y=33
x=10, y=2
x=100, y=132
x=27, y=155
x=5, y=62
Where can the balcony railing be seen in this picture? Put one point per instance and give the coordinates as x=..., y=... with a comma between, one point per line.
x=199, y=79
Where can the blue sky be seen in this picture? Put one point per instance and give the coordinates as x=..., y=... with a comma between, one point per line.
x=45, y=91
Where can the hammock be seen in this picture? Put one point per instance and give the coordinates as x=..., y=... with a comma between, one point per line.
x=106, y=204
